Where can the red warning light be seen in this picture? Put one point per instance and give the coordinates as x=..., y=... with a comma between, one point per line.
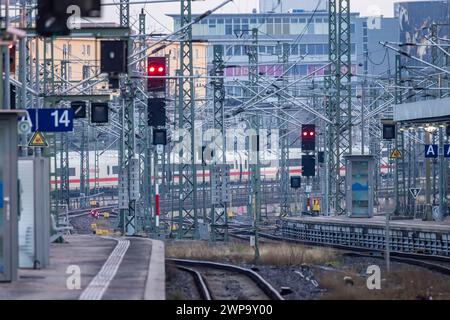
x=151, y=69
x=161, y=69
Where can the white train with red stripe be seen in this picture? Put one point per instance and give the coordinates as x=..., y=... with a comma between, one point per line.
x=108, y=175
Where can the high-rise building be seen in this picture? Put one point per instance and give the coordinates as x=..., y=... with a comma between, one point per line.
x=307, y=35
x=285, y=6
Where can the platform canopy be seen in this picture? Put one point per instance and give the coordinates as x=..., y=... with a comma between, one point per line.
x=423, y=111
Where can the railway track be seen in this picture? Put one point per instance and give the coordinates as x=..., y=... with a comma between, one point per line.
x=85, y=212
x=218, y=281
x=432, y=263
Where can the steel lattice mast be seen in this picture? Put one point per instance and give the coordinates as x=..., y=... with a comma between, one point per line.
x=129, y=170
x=339, y=108
x=188, y=223
x=219, y=169
x=285, y=204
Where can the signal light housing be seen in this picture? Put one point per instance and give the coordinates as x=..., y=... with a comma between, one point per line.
x=308, y=137
x=309, y=166
x=389, y=132
x=156, y=68
x=99, y=113
x=296, y=182
x=156, y=112
x=12, y=58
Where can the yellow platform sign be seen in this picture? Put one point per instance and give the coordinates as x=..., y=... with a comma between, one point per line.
x=38, y=140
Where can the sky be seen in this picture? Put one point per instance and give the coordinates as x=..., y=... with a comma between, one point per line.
x=157, y=19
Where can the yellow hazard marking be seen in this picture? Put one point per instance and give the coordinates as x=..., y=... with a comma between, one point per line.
x=395, y=154
x=94, y=226
x=102, y=232
x=106, y=215
x=38, y=140
x=316, y=206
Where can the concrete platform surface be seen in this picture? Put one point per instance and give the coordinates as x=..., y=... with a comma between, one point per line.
x=92, y=268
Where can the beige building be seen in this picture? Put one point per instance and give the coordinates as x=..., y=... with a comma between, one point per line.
x=81, y=58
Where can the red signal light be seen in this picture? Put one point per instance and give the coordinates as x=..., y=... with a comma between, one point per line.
x=311, y=133
x=305, y=133
x=156, y=71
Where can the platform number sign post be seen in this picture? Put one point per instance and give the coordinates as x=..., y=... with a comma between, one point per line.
x=447, y=151
x=431, y=151
x=51, y=120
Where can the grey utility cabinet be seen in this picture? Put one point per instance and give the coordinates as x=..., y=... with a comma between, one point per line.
x=34, y=223
x=9, y=198
x=360, y=170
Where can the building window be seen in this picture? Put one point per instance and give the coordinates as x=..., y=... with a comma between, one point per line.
x=229, y=51
x=212, y=23
x=245, y=26
x=228, y=27
x=311, y=28
x=237, y=51
x=88, y=49
x=303, y=49
x=294, y=49
x=236, y=25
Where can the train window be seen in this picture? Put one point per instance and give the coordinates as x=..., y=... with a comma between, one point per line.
x=107, y=170
x=72, y=172
x=245, y=164
x=115, y=169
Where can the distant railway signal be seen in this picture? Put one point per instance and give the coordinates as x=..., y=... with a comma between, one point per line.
x=159, y=137
x=156, y=112
x=156, y=69
x=296, y=182
x=389, y=132
x=308, y=137
x=79, y=109
x=114, y=57
x=447, y=130
x=309, y=166
x=321, y=157
x=99, y=113
x=12, y=58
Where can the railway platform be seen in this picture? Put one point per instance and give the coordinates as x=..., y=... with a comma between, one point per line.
x=405, y=236
x=88, y=267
